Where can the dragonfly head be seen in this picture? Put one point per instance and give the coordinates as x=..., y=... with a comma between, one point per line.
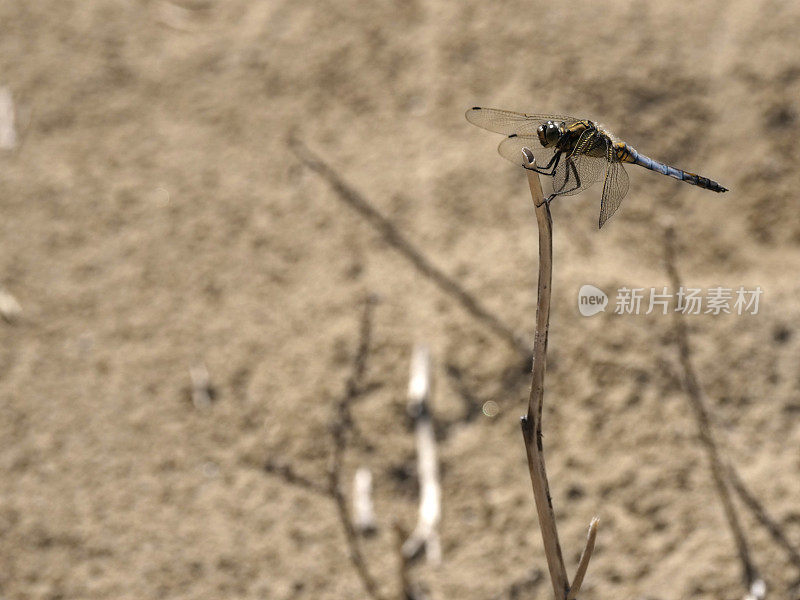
x=549, y=133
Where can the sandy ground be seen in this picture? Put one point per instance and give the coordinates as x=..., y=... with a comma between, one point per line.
x=154, y=218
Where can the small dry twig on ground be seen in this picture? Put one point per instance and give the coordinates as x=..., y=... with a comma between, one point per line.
x=343, y=428
x=760, y=513
x=363, y=512
x=701, y=414
x=408, y=589
x=398, y=241
x=532, y=422
x=425, y=534
x=8, y=129
x=340, y=430
x=202, y=390
x=10, y=309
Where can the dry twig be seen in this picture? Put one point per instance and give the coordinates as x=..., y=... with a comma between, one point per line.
x=8, y=130
x=340, y=431
x=760, y=513
x=425, y=534
x=202, y=391
x=10, y=309
x=701, y=414
x=342, y=428
x=532, y=422
x=398, y=241
x=363, y=512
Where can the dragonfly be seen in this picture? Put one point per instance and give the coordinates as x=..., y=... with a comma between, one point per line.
x=576, y=153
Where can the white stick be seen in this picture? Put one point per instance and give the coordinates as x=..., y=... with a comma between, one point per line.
x=363, y=512
x=419, y=392
x=758, y=591
x=8, y=131
x=201, y=386
x=10, y=309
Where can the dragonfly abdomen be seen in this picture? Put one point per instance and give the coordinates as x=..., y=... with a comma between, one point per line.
x=659, y=167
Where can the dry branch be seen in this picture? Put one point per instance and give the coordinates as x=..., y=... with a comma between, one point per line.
x=340, y=430
x=425, y=533
x=532, y=422
x=398, y=241
x=583, y=563
x=760, y=513
x=363, y=512
x=10, y=309
x=202, y=392
x=8, y=130
x=701, y=414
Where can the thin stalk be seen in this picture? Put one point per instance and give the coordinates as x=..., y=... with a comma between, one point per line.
x=532, y=422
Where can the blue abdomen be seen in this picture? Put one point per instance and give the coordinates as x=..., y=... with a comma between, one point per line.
x=658, y=167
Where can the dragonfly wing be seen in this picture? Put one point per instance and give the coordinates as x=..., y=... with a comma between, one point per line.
x=614, y=190
x=508, y=122
x=589, y=170
x=511, y=149
x=580, y=170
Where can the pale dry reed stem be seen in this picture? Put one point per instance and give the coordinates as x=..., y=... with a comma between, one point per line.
x=202, y=392
x=426, y=532
x=8, y=129
x=532, y=422
x=583, y=563
x=363, y=511
x=10, y=308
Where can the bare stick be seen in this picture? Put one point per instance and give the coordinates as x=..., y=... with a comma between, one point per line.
x=425, y=534
x=8, y=130
x=532, y=422
x=751, y=502
x=202, y=392
x=398, y=241
x=340, y=430
x=10, y=309
x=701, y=414
x=363, y=513
x=583, y=564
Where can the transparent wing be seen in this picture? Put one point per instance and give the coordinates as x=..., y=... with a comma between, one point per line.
x=614, y=190
x=508, y=122
x=511, y=149
x=580, y=170
x=576, y=173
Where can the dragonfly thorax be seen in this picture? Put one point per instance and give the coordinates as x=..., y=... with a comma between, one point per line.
x=549, y=133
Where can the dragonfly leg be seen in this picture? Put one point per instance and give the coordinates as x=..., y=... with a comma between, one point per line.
x=570, y=168
x=551, y=165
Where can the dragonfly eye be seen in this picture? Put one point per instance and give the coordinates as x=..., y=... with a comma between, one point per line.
x=548, y=134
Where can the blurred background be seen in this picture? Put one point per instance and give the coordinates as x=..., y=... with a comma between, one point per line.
x=192, y=294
